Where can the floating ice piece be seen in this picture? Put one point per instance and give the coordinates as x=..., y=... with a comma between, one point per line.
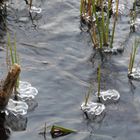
x=110, y=95
x=135, y=74
x=114, y=50
x=17, y=107
x=34, y=9
x=26, y=91
x=92, y=109
x=23, y=85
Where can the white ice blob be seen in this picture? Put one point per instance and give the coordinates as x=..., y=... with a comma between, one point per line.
x=26, y=91
x=135, y=73
x=17, y=107
x=34, y=9
x=109, y=95
x=114, y=50
x=92, y=109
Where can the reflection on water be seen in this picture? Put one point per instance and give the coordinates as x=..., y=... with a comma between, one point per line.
x=16, y=123
x=4, y=130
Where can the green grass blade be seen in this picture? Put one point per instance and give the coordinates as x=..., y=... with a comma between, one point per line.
x=15, y=51
x=134, y=53
x=10, y=48
x=88, y=95
x=81, y=7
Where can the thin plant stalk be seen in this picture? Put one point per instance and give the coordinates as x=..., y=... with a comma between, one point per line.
x=88, y=95
x=16, y=59
x=31, y=1
x=134, y=9
x=93, y=35
x=108, y=20
x=82, y=7
x=99, y=80
x=10, y=48
x=103, y=24
x=114, y=24
x=133, y=55
x=89, y=8
x=130, y=63
x=97, y=22
x=15, y=50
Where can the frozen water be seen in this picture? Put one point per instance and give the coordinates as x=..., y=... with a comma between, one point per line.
x=17, y=107
x=135, y=73
x=92, y=109
x=26, y=91
x=113, y=50
x=34, y=9
x=109, y=95
x=23, y=85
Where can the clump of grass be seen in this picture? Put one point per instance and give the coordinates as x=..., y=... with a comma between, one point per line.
x=93, y=13
x=13, y=50
x=133, y=55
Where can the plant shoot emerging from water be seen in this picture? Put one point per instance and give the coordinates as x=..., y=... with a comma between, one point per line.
x=99, y=80
x=87, y=95
x=96, y=14
x=133, y=55
x=14, y=58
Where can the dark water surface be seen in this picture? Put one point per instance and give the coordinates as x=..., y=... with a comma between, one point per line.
x=55, y=58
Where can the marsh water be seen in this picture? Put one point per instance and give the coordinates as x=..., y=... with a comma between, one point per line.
x=58, y=59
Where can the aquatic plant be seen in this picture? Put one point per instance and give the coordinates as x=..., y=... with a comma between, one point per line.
x=99, y=81
x=92, y=13
x=88, y=95
x=133, y=17
x=133, y=55
x=114, y=24
x=14, y=59
x=13, y=50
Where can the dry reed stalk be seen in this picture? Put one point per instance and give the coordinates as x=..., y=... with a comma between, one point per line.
x=8, y=85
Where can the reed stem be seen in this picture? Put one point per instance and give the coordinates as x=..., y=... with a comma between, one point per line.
x=97, y=22
x=99, y=80
x=114, y=24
